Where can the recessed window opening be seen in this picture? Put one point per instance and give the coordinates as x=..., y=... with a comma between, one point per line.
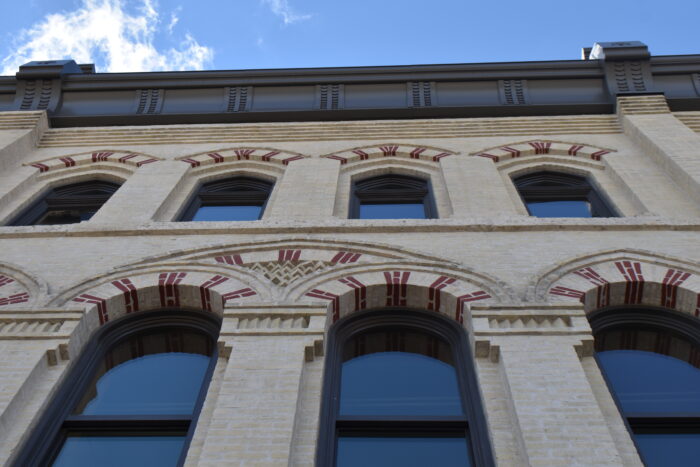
x=392, y=197
x=654, y=374
x=68, y=204
x=232, y=199
x=554, y=194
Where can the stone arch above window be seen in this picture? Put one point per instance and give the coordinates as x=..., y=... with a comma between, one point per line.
x=18, y=289
x=624, y=279
x=405, y=151
x=500, y=154
x=129, y=159
x=275, y=156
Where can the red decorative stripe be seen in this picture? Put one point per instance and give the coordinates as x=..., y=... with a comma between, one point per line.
x=541, y=147
x=14, y=299
x=434, y=291
x=470, y=297
x=415, y=154
x=192, y=162
x=131, y=297
x=123, y=159
x=567, y=292
x=288, y=255
x=290, y=159
x=42, y=167
x=247, y=292
x=229, y=259
x=342, y=160
x=389, y=151
x=67, y=161
x=697, y=306
x=573, y=150
x=513, y=152
x=396, y=287
x=100, y=302
x=218, y=158
x=4, y=280
x=335, y=301
x=344, y=257
x=243, y=153
x=204, y=293
x=363, y=155
x=440, y=156
x=101, y=156
x=597, y=155
x=360, y=290
x=269, y=155
x=167, y=288
x=669, y=288
x=490, y=156
x=147, y=161
x=603, y=286
x=632, y=272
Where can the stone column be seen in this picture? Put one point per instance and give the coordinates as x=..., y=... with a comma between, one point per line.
x=141, y=197
x=307, y=190
x=475, y=187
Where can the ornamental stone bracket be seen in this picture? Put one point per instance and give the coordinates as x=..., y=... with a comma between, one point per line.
x=626, y=66
x=274, y=320
x=38, y=324
x=528, y=320
x=39, y=84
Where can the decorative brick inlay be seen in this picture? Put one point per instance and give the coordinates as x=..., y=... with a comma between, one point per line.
x=533, y=148
x=470, y=297
x=100, y=302
x=167, y=288
x=632, y=272
x=603, y=286
x=204, y=292
x=390, y=150
x=697, y=306
x=247, y=292
x=396, y=287
x=229, y=259
x=434, y=291
x=344, y=257
x=131, y=297
x=4, y=280
x=669, y=289
x=567, y=292
x=14, y=299
x=136, y=160
x=242, y=154
x=288, y=255
x=360, y=291
x=335, y=301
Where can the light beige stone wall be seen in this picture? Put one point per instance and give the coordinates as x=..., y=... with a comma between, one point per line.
x=545, y=400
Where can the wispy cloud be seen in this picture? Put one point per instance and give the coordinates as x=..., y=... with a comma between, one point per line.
x=282, y=9
x=104, y=32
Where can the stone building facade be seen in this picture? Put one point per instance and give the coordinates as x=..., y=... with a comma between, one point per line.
x=521, y=287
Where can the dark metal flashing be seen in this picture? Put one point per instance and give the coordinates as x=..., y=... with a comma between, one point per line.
x=73, y=95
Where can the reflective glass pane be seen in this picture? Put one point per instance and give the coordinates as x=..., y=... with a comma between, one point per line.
x=65, y=217
x=398, y=373
x=651, y=382
x=120, y=451
x=404, y=452
x=227, y=213
x=677, y=450
x=149, y=374
x=392, y=211
x=560, y=208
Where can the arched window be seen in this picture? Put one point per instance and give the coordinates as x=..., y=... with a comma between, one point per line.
x=400, y=389
x=392, y=197
x=133, y=396
x=554, y=194
x=68, y=204
x=651, y=361
x=231, y=199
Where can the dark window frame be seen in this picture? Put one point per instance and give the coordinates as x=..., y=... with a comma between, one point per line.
x=71, y=197
x=550, y=185
x=56, y=421
x=472, y=425
x=230, y=191
x=648, y=318
x=373, y=190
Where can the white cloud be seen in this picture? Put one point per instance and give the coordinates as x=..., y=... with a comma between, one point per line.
x=174, y=19
x=105, y=33
x=281, y=8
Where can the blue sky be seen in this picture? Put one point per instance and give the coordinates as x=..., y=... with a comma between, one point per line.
x=150, y=35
